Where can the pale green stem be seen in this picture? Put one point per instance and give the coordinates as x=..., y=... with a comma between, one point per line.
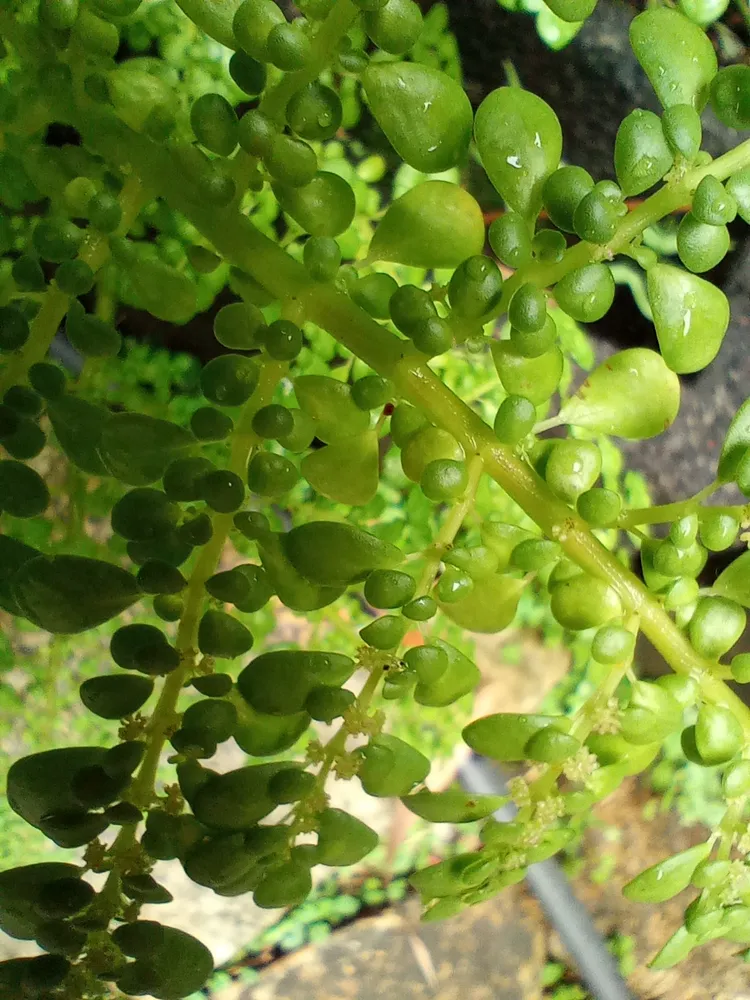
x=451, y=527
x=164, y=715
x=237, y=240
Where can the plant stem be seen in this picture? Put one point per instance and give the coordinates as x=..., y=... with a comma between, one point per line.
x=663, y=513
x=236, y=238
x=329, y=34
x=95, y=253
x=451, y=526
x=164, y=714
x=337, y=743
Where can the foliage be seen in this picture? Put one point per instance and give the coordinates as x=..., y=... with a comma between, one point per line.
x=339, y=456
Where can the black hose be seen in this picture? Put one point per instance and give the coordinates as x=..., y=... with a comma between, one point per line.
x=570, y=918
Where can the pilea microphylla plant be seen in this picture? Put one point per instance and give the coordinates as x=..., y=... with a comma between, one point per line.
x=172, y=147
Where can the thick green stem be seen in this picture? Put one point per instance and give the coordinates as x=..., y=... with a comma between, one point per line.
x=235, y=237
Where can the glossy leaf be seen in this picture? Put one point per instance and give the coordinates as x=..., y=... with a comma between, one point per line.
x=664, y=880
x=520, y=143
x=734, y=581
x=490, y=607
x=452, y=806
x=279, y=682
x=391, y=767
x=435, y=224
x=78, y=426
x=236, y=800
x=137, y=448
x=633, y=395
x=67, y=594
x=691, y=317
x=642, y=156
x=332, y=553
x=292, y=589
x=460, y=677
x=676, y=55
x=424, y=113
x=504, y=736
x=343, y=839
x=536, y=378
x=736, y=444
x=675, y=950
x=324, y=207
x=346, y=471
x=328, y=402
x=718, y=734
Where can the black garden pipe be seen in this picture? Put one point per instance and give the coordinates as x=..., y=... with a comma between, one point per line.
x=596, y=966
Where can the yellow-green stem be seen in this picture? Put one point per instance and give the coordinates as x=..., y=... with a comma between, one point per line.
x=451, y=526
x=235, y=237
x=163, y=716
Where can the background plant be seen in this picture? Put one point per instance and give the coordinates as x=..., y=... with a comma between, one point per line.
x=391, y=486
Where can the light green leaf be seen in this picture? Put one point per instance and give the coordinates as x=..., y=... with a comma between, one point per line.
x=633, y=395
x=520, y=143
x=665, y=879
x=734, y=581
x=452, y=806
x=691, y=317
x=736, y=443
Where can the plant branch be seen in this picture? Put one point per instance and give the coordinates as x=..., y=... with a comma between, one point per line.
x=235, y=237
x=164, y=714
x=451, y=526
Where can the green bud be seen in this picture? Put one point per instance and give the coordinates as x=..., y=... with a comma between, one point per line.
x=599, y=507
x=642, y=154
x=595, y=219
x=510, y=240
x=515, y=419
x=290, y=161
x=718, y=734
x=586, y=293
x=700, y=246
x=712, y=203
x=683, y=130
x=214, y=123
x=323, y=207
x=563, y=192
x=716, y=625
x=395, y=26
x=583, y=602
x=612, y=644
x=572, y=468
x=475, y=288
